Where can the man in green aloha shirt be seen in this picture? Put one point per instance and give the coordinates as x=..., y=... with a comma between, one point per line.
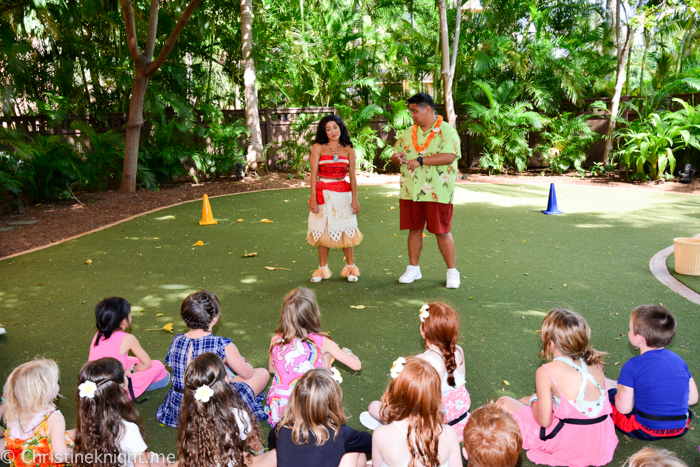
x=427, y=153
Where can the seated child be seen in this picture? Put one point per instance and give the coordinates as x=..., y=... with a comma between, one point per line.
x=655, y=388
x=567, y=421
x=201, y=311
x=109, y=431
x=36, y=432
x=652, y=457
x=492, y=438
x=312, y=431
x=216, y=426
x=113, y=317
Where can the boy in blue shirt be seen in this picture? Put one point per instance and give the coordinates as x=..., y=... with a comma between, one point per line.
x=655, y=388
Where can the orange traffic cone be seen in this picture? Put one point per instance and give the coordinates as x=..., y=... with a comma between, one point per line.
x=207, y=216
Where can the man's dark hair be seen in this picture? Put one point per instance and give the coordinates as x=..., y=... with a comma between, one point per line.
x=422, y=99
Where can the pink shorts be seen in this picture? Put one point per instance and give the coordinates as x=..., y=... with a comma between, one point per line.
x=415, y=214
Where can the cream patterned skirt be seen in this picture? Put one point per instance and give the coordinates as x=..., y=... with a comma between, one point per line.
x=335, y=225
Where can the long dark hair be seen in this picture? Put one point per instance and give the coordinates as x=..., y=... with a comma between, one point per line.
x=199, y=309
x=109, y=314
x=208, y=433
x=99, y=428
x=322, y=137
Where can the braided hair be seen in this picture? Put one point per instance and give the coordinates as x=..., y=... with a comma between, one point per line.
x=109, y=314
x=441, y=328
x=199, y=309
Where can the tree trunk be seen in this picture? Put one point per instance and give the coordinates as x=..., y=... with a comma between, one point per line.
x=144, y=67
x=610, y=18
x=647, y=41
x=448, y=65
x=133, y=134
x=619, y=83
x=252, y=119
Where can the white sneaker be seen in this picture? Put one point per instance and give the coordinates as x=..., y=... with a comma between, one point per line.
x=452, y=279
x=2, y=330
x=369, y=421
x=412, y=274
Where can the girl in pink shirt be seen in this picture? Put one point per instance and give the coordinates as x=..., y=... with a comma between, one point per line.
x=113, y=317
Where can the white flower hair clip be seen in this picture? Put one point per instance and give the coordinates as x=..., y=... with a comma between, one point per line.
x=203, y=393
x=87, y=389
x=397, y=367
x=424, y=313
x=336, y=375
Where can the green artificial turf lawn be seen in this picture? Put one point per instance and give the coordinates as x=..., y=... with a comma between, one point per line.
x=692, y=282
x=516, y=264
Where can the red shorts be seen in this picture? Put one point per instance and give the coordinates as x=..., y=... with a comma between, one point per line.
x=415, y=214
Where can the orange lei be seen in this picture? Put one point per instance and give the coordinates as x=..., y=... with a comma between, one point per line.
x=414, y=136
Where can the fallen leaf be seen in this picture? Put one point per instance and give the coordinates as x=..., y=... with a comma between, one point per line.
x=392, y=208
x=156, y=238
x=358, y=307
x=265, y=221
x=424, y=235
x=617, y=363
x=159, y=314
x=393, y=235
x=88, y=262
x=285, y=200
x=239, y=220
x=388, y=196
x=168, y=327
x=564, y=285
x=471, y=298
x=248, y=255
x=506, y=382
x=199, y=243
x=293, y=261
x=270, y=268
x=538, y=331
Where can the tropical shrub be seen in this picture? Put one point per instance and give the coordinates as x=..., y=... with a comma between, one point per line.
x=648, y=145
x=398, y=119
x=364, y=137
x=502, y=128
x=565, y=141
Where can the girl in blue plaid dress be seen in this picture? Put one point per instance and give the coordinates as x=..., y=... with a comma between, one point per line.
x=200, y=311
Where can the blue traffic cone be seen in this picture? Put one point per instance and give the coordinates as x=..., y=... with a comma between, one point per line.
x=552, y=204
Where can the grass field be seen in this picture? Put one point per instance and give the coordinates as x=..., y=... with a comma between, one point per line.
x=516, y=264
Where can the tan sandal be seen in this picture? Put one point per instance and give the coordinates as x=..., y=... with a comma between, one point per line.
x=321, y=273
x=351, y=272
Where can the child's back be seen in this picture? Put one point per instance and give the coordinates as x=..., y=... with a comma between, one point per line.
x=655, y=388
x=35, y=432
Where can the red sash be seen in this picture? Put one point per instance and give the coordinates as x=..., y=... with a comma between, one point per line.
x=341, y=186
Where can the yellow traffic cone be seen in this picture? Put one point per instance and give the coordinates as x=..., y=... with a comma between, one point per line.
x=207, y=216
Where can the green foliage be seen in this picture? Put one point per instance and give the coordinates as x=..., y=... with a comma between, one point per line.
x=502, y=128
x=364, y=138
x=225, y=145
x=565, y=141
x=294, y=153
x=102, y=157
x=398, y=119
x=648, y=145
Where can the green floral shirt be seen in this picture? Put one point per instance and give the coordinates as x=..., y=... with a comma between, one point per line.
x=434, y=183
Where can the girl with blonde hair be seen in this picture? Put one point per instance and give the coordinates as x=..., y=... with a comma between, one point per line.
x=298, y=346
x=652, y=457
x=36, y=431
x=313, y=429
x=414, y=435
x=567, y=421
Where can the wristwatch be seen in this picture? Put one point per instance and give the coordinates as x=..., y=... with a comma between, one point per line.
x=420, y=160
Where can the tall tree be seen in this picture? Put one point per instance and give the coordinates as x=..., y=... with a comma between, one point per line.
x=144, y=67
x=634, y=23
x=449, y=64
x=252, y=120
